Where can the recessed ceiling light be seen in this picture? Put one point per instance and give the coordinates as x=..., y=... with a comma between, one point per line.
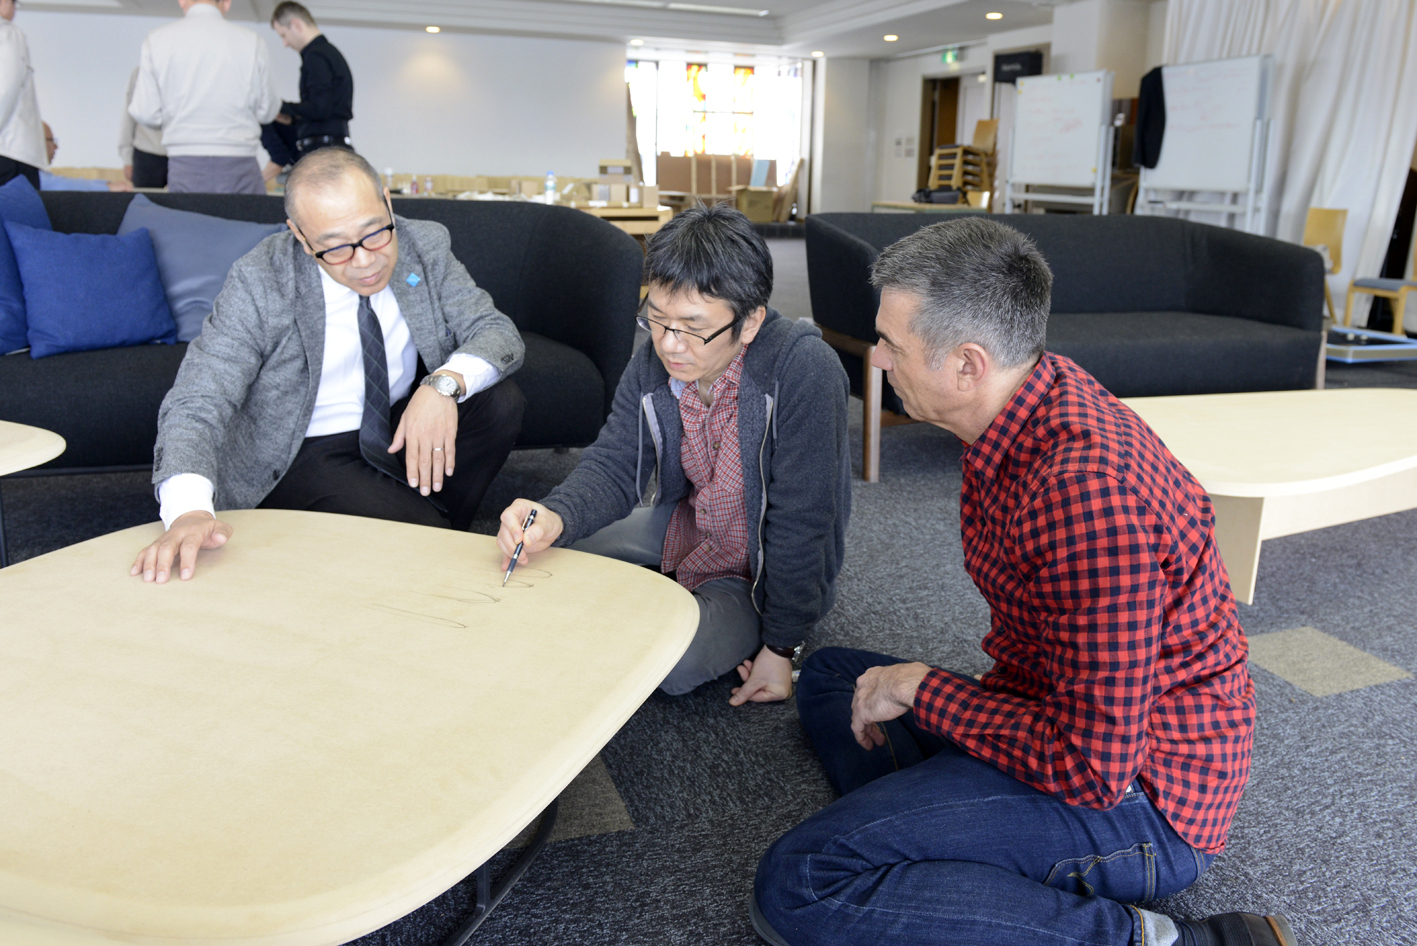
x=637, y=42
x=817, y=54
x=434, y=29
x=890, y=37
x=993, y=16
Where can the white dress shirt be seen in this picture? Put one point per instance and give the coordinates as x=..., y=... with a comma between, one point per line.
x=339, y=401
x=207, y=84
x=21, y=131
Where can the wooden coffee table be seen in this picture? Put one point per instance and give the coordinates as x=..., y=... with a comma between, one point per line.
x=334, y=722
x=1281, y=462
x=22, y=447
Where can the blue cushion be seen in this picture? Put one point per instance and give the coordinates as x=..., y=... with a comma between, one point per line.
x=86, y=290
x=21, y=203
x=194, y=254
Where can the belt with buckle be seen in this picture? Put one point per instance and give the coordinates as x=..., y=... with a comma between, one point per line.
x=321, y=141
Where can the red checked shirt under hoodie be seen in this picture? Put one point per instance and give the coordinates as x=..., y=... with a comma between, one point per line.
x=707, y=536
x=1118, y=652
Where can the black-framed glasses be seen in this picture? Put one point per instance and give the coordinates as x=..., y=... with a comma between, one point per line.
x=680, y=334
x=339, y=255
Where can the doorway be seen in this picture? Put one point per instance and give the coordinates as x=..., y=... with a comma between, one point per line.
x=939, y=122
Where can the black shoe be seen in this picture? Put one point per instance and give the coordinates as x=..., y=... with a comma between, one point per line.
x=1236, y=929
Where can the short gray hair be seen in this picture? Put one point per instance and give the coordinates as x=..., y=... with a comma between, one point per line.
x=977, y=281
x=322, y=168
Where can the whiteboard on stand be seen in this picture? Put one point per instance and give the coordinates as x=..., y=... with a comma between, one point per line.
x=1214, y=121
x=1062, y=135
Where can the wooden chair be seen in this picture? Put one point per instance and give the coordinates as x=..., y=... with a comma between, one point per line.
x=1394, y=290
x=873, y=417
x=968, y=168
x=1323, y=231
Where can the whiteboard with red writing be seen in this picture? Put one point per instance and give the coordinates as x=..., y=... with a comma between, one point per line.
x=1057, y=137
x=1213, y=115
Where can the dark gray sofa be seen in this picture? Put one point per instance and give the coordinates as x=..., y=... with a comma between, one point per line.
x=1148, y=305
x=569, y=281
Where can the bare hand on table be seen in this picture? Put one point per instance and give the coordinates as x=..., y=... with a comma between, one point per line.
x=429, y=427
x=545, y=530
x=882, y=694
x=189, y=533
x=766, y=678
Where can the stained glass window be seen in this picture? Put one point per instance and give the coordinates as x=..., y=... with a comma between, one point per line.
x=686, y=108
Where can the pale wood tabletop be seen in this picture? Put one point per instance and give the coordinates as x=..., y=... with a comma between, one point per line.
x=22, y=446
x=1277, y=463
x=333, y=722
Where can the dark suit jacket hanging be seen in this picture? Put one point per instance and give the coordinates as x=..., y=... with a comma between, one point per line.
x=1151, y=120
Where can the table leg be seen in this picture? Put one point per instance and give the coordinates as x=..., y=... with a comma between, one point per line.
x=1237, y=534
x=489, y=896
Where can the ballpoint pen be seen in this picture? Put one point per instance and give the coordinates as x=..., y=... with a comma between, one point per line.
x=530, y=518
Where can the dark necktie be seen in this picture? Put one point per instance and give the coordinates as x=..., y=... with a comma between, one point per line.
x=374, y=433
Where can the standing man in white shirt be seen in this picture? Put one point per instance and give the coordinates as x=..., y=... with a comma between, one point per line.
x=207, y=84
x=303, y=390
x=21, y=132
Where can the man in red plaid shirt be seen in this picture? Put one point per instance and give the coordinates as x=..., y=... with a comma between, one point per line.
x=1099, y=763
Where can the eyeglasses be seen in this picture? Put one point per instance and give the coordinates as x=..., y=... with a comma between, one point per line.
x=339, y=255
x=679, y=334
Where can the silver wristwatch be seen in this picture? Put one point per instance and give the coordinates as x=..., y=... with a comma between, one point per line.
x=444, y=384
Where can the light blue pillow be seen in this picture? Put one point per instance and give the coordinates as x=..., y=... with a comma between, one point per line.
x=89, y=290
x=195, y=253
x=20, y=203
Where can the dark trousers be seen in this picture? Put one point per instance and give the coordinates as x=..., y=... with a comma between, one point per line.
x=149, y=170
x=330, y=475
x=10, y=168
x=929, y=844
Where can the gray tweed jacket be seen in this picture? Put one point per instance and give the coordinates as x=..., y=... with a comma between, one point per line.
x=243, y=398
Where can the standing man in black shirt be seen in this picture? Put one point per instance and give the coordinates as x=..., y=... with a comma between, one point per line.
x=321, y=118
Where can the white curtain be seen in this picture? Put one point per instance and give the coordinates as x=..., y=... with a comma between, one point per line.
x=1344, y=108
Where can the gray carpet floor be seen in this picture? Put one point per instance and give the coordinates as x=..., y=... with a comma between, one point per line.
x=1327, y=831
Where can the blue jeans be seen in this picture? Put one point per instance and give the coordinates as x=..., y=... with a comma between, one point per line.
x=931, y=845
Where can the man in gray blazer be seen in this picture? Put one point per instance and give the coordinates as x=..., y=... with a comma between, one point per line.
x=302, y=391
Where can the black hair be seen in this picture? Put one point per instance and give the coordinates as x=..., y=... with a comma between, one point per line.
x=716, y=252
x=287, y=9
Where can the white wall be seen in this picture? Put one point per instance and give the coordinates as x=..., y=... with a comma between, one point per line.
x=1156, y=35
x=453, y=103
x=843, y=136
x=896, y=88
x=1103, y=34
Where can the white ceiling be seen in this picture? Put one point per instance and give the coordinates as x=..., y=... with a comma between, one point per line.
x=784, y=27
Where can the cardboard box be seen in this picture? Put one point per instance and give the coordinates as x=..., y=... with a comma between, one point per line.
x=755, y=203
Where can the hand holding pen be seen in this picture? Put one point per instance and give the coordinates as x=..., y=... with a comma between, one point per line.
x=512, y=538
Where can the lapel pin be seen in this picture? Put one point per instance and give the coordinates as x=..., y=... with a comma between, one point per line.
x=413, y=279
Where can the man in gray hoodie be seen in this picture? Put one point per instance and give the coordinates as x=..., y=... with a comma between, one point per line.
x=738, y=417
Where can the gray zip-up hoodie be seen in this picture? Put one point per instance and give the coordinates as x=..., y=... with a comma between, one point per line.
x=792, y=435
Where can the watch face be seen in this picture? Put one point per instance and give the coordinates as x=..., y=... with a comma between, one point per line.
x=445, y=385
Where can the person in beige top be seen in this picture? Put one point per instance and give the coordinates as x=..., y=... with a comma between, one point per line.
x=21, y=132
x=140, y=147
x=207, y=84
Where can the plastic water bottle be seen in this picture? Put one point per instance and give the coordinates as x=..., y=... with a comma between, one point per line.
x=550, y=192
x=428, y=184
x=389, y=179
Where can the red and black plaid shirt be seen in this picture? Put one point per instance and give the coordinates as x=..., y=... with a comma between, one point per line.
x=1118, y=652
x=707, y=537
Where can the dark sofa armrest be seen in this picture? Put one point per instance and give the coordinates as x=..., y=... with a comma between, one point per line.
x=839, y=276
x=1252, y=277
x=580, y=285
